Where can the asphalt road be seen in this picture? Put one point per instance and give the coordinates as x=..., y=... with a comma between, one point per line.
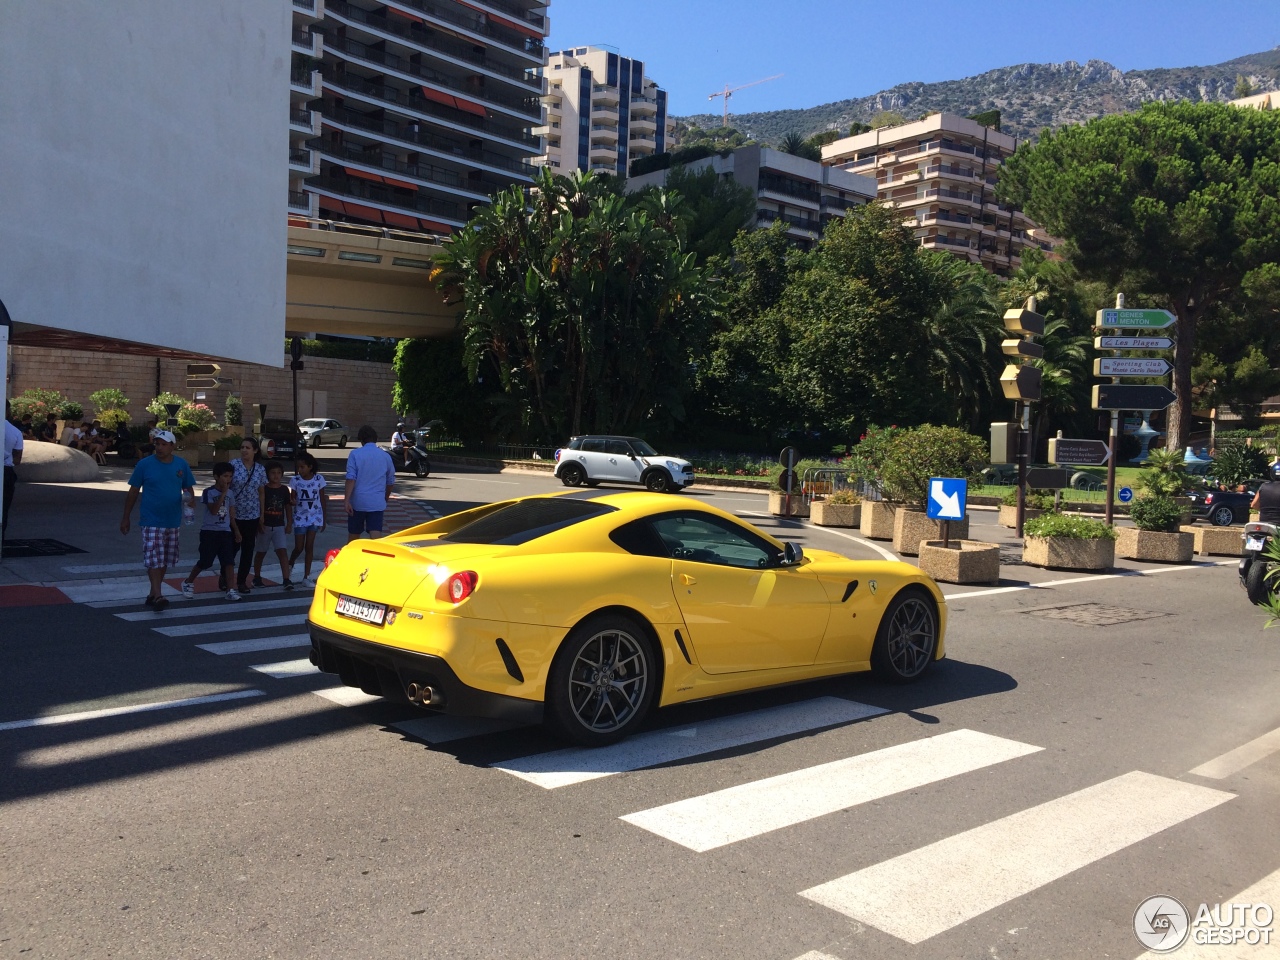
x=1020, y=801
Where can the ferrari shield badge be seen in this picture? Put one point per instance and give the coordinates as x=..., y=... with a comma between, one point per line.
x=872, y=585
x=364, y=574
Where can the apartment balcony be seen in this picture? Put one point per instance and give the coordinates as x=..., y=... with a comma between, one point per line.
x=949, y=243
x=801, y=223
x=643, y=105
x=309, y=9
x=838, y=205
x=306, y=42
x=604, y=152
x=302, y=120
x=600, y=131
x=476, y=185
x=602, y=167
x=303, y=161
x=454, y=117
x=524, y=108
x=410, y=134
x=943, y=216
x=463, y=54
x=600, y=93
x=603, y=110
x=913, y=176
x=448, y=210
x=301, y=201
x=470, y=20
x=521, y=13
x=640, y=147
x=788, y=189
x=644, y=124
x=305, y=81
x=649, y=138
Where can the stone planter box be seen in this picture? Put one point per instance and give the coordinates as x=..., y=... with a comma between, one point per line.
x=910, y=527
x=826, y=514
x=876, y=520
x=777, y=500
x=1064, y=553
x=1216, y=541
x=964, y=561
x=1135, y=544
x=1009, y=515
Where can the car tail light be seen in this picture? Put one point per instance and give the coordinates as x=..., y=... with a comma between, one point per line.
x=329, y=557
x=458, y=587
x=1208, y=498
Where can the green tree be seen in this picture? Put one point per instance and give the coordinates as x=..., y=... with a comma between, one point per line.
x=1244, y=385
x=431, y=384
x=1244, y=87
x=886, y=118
x=798, y=146
x=1177, y=201
x=706, y=211
x=584, y=309
x=964, y=330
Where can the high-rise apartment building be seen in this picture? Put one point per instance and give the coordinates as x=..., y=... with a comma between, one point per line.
x=602, y=112
x=941, y=172
x=411, y=113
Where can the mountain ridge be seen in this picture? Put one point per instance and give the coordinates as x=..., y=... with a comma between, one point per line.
x=1029, y=96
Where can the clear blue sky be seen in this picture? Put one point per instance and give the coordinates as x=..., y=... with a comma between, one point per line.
x=835, y=49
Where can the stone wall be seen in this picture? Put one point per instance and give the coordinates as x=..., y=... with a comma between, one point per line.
x=352, y=391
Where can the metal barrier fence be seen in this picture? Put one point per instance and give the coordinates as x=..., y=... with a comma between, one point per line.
x=824, y=481
x=513, y=451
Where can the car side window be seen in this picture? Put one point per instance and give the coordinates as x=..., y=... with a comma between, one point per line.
x=592, y=446
x=638, y=537
x=708, y=539
x=617, y=448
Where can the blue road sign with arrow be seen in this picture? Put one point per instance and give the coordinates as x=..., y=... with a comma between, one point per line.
x=1125, y=495
x=947, y=498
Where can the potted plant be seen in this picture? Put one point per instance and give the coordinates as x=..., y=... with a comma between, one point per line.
x=960, y=561
x=865, y=462
x=913, y=457
x=838, y=509
x=1155, y=534
x=1068, y=543
x=1037, y=502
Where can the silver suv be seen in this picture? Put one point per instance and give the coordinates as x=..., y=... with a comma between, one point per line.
x=592, y=459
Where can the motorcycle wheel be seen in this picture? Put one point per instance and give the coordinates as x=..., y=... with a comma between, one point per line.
x=420, y=468
x=1255, y=582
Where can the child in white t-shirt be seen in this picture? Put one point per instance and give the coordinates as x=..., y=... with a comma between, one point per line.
x=309, y=504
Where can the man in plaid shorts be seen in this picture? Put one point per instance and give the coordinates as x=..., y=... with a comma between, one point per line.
x=165, y=483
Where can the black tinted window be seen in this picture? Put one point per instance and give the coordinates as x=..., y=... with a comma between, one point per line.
x=592, y=446
x=638, y=537
x=708, y=539
x=617, y=448
x=526, y=520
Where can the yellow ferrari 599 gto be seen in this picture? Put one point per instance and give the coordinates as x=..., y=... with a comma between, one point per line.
x=583, y=610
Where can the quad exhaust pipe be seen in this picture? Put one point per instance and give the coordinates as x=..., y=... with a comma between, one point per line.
x=423, y=695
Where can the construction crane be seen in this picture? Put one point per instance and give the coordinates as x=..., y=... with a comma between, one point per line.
x=728, y=92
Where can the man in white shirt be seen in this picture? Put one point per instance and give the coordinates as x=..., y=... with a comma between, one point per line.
x=12, y=457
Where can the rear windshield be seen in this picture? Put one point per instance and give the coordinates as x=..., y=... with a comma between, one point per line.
x=526, y=520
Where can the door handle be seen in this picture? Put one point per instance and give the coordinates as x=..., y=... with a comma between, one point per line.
x=687, y=580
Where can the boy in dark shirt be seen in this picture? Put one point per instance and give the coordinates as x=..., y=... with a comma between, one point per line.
x=218, y=531
x=276, y=501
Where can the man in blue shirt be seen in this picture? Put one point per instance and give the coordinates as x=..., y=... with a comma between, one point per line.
x=165, y=483
x=370, y=476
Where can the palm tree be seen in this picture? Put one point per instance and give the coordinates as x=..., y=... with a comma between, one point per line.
x=962, y=333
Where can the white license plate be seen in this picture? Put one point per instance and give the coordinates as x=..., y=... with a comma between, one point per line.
x=365, y=610
x=1253, y=543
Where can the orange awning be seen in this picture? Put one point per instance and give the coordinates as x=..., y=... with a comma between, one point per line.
x=331, y=203
x=449, y=100
x=407, y=16
x=393, y=182
x=364, y=174
x=367, y=213
x=513, y=24
x=399, y=220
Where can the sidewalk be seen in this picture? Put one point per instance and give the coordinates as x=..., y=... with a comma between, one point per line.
x=87, y=516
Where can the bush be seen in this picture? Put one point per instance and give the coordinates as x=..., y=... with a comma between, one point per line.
x=1070, y=528
x=1238, y=464
x=1157, y=513
x=108, y=399
x=70, y=410
x=112, y=418
x=844, y=497
x=867, y=457
x=157, y=406
x=39, y=403
x=1036, y=499
x=233, y=414
x=913, y=456
x=1164, y=475
x=196, y=416
x=231, y=441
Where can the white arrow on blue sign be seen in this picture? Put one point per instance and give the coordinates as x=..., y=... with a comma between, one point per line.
x=947, y=498
x=1125, y=494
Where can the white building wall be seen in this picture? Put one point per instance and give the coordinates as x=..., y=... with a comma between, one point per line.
x=144, y=193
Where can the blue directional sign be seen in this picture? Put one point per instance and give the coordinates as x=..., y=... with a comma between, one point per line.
x=947, y=498
x=1125, y=494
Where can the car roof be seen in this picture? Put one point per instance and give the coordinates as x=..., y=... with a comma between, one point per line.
x=604, y=436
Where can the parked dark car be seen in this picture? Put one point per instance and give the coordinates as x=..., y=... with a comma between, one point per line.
x=1222, y=508
x=280, y=438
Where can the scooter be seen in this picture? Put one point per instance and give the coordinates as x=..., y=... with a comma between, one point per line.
x=417, y=461
x=1254, y=564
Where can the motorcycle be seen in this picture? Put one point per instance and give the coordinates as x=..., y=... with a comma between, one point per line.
x=1254, y=563
x=413, y=459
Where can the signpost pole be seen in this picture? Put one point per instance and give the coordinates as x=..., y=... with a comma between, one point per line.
x=1113, y=441
x=1024, y=444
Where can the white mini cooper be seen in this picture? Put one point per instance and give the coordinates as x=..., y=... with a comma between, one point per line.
x=595, y=459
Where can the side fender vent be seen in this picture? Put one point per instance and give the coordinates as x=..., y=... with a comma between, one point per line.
x=680, y=643
x=509, y=660
x=848, y=591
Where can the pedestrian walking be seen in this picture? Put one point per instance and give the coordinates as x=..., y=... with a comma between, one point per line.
x=247, y=479
x=275, y=504
x=165, y=483
x=309, y=505
x=12, y=457
x=371, y=474
x=218, y=532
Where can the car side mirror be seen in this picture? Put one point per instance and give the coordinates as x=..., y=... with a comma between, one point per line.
x=792, y=554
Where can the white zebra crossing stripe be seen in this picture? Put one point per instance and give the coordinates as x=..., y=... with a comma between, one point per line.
x=219, y=608
x=727, y=816
x=287, y=669
x=225, y=647
x=346, y=696
x=57, y=718
x=978, y=870
x=560, y=768
x=1266, y=890
x=442, y=729
x=127, y=589
x=816, y=955
x=228, y=626
x=1236, y=760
